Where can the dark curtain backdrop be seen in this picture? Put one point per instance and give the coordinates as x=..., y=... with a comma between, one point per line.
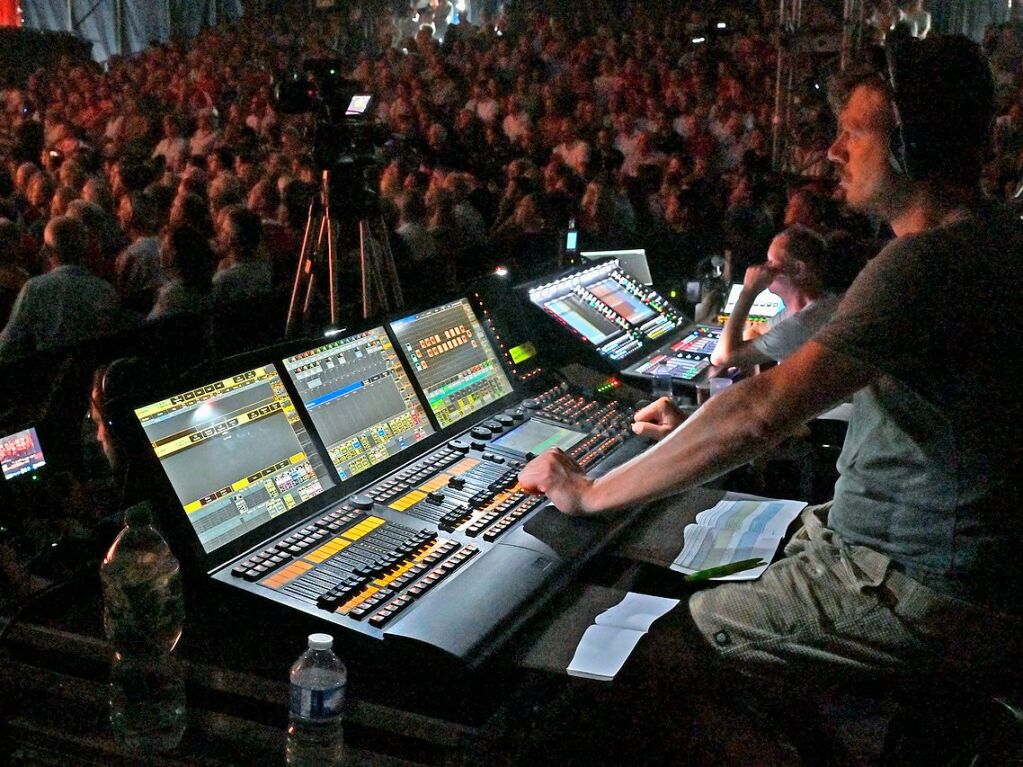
x=126, y=26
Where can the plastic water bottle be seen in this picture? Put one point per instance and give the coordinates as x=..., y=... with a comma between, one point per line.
x=318, y=682
x=143, y=615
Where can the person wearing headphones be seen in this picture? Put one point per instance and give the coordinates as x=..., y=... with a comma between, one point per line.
x=794, y=272
x=913, y=567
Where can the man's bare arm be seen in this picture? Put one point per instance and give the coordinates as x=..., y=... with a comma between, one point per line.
x=732, y=349
x=734, y=427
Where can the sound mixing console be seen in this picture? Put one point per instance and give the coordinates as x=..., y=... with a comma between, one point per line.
x=628, y=327
x=439, y=543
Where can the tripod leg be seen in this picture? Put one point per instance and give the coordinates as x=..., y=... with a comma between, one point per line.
x=364, y=268
x=331, y=267
x=304, y=267
x=389, y=267
x=312, y=271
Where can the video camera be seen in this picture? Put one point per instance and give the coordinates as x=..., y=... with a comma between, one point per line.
x=344, y=138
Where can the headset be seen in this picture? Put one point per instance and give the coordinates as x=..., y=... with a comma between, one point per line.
x=898, y=47
x=931, y=121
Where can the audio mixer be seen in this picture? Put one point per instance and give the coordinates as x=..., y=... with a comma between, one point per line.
x=629, y=327
x=371, y=481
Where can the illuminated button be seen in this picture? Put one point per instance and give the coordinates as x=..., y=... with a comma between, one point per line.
x=361, y=502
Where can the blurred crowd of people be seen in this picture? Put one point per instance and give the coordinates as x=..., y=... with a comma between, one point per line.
x=174, y=178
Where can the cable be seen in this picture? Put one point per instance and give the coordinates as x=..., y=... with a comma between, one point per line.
x=88, y=13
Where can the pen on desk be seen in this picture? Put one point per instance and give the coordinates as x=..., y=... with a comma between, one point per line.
x=723, y=570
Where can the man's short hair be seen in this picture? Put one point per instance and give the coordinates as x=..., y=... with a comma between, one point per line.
x=89, y=213
x=246, y=231
x=805, y=245
x=945, y=98
x=67, y=239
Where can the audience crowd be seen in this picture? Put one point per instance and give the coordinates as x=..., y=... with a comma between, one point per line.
x=642, y=126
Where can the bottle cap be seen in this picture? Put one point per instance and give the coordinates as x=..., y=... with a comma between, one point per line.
x=139, y=515
x=320, y=641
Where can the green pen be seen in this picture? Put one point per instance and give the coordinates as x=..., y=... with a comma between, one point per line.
x=723, y=570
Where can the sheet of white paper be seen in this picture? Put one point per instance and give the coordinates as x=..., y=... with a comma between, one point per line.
x=707, y=547
x=636, y=611
x=603, y=651
x=767, y=516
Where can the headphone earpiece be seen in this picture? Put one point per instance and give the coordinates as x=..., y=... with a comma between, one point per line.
x=898, y=44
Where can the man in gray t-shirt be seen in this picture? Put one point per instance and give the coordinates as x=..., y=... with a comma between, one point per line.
x=912, y=567
x=931, y=466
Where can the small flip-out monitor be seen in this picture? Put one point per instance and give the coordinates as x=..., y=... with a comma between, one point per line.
x=572, y=241
x=632, y=261
x=765, y=306
x=21, y=454
x=358, y=105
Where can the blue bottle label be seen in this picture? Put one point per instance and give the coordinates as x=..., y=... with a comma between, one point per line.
x=317, y=705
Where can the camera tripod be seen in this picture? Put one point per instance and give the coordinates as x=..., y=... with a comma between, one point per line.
x=380, y=289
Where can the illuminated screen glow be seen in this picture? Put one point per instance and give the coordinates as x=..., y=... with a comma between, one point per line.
x=236, y=454
x=452, y=360
x=21, y=453
x=359, y=399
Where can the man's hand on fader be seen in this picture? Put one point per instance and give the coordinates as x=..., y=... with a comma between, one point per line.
x=658, y=419
x=554, y=474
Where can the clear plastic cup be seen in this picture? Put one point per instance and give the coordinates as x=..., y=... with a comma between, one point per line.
x=719, y=384
x=663, y=383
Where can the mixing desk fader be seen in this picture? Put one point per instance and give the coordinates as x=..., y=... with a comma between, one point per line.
x=439, y=543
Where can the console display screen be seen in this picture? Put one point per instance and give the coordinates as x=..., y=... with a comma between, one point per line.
x=609, y=309
x=535, y=436
x=236, y=454
x=359, y=399
x=452, y=360
x=765, y=305
x=20, y=453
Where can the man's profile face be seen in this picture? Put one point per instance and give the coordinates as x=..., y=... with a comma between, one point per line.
x=860, y=152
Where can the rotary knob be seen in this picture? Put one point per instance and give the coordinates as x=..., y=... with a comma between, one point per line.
x=481, y=433
x=363, y=502
x=460, y=445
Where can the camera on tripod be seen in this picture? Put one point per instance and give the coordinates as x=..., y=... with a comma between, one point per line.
x=345, y=141
x=345, y=138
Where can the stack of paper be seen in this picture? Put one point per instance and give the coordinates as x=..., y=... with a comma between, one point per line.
x=735, y=530
x=608, y=643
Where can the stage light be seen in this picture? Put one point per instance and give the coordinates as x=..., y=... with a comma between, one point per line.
x=501, y=271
